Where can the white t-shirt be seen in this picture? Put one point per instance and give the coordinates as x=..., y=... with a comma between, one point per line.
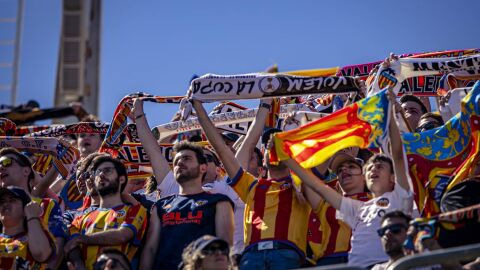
x=169, y=186
x=221, y=186
x=364, y=219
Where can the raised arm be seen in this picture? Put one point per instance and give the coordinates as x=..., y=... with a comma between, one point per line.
x=244, y=153
x=159, y=163
x=311, y=181
x=227, y=157
x=42, y=249
x=396, y=144
x=43, y=183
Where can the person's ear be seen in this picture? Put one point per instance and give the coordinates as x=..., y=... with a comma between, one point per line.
x=26, y=171
x=122, y=179
x=203, y=168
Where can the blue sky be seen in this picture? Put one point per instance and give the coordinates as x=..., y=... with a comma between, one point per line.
x=156, y=46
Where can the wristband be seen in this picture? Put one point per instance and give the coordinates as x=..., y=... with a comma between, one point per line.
x=139, y=116
x=32, y=218
x=265, y=105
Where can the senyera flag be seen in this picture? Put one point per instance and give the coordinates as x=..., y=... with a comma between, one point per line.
x=363, y=124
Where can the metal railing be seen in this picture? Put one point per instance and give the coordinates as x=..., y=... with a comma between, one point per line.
x=436, y=257
x=336, y=267
x=455, y=254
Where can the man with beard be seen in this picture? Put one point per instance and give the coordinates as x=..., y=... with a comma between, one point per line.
x=113, y=224
x=179, y=219
x=393, y=233
x=86, y=187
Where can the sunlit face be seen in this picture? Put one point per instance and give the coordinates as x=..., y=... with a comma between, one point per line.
x=351, y=178
x=413, y=112
x=11, y=172
x=212, y=169
x=379, y=177
x=81, y=181
x=106, y=179
x=186, y=166
x=88, y=143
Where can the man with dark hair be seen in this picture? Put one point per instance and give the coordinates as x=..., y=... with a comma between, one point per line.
x=192, y=210
x=393, y=233
x=113, y=224
x=86, y=187
x=16, y=169
x=414, y=109
x=429, y=121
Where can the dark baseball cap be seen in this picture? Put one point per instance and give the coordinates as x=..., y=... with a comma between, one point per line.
x=204, y=241
x=16, y=192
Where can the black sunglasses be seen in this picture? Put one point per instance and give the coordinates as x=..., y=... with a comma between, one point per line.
x=395, y=229
x=212, y=250
x=427, y=126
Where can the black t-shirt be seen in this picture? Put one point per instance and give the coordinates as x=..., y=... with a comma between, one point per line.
x=183, y=219
x=462, y=195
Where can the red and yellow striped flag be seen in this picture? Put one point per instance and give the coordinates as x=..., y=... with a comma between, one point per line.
x=362, y=124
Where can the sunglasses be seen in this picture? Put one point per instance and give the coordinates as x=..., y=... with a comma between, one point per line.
x=427, y=126
x=8, y=161
x=106, y=171
x=394, y=229
x=212, y=250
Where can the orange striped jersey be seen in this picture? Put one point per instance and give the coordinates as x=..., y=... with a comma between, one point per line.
x=272, y=211
x=51, y=217
x=327, y=235
x=12, y=246
x=104, y=219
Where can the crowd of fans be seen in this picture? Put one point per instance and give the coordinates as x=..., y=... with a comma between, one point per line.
x=223, y=206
